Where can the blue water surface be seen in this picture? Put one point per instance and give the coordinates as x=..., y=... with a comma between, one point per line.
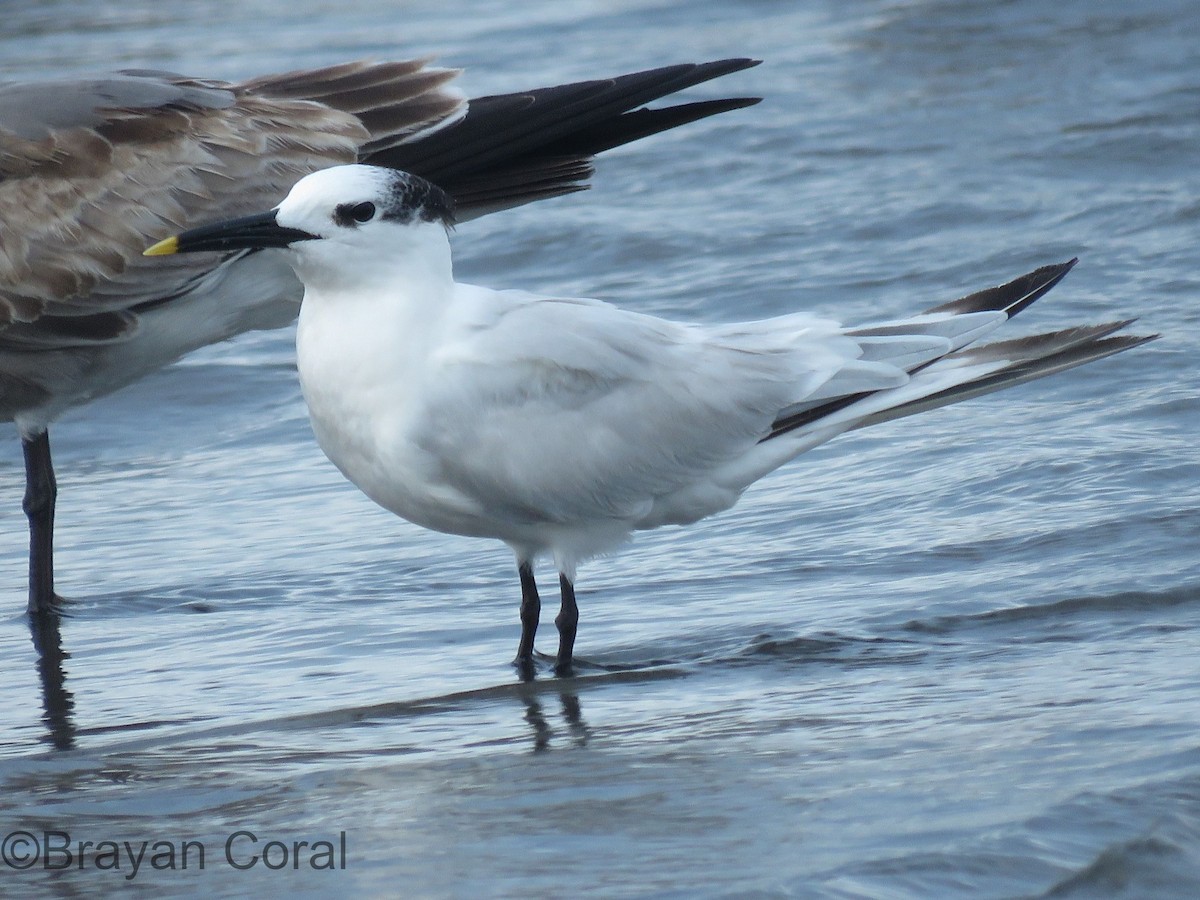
x=954, y=655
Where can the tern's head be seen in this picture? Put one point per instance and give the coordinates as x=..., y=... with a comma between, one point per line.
x=329, y=215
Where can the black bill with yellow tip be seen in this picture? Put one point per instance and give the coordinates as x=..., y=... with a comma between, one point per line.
x=247, y=233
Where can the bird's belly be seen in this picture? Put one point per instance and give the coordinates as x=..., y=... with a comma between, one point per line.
x=379, y=457
x=376, y=452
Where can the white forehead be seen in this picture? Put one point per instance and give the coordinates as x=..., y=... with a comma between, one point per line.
x=401, y=198
x=341, y=184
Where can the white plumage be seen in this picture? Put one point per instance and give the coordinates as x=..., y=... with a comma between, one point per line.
x=561, y=426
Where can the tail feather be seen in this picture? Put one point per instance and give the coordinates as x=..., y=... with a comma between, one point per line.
x=1034, y=347
x=1012, y=297
x=962, y=369
x=1018, y=373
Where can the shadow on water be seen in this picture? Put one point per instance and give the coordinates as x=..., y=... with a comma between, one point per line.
x=907, y=643
x=529, y=694
x=538, y=696
x=58, y=704
x=531, y=690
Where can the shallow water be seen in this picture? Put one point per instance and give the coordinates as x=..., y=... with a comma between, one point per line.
x=953, y=655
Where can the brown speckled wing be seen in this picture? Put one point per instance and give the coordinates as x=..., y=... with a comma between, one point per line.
x=92, y=172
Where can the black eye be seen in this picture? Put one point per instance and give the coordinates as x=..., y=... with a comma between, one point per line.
x=349, y=213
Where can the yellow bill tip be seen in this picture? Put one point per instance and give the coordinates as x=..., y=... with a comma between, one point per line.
x=163, y=248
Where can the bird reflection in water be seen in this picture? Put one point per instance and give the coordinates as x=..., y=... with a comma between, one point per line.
x=57, y=702
x=543, y=731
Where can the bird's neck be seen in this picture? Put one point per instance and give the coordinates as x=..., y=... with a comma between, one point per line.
x=335, y=270
x=366, y=326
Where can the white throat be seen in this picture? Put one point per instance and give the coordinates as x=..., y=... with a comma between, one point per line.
x=368, y=320
x=343, y=267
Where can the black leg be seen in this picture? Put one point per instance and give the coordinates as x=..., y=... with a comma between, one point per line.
x=41, y=491
x=567, y=622
x=531, y=611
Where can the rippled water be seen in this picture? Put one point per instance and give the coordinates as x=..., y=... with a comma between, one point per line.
x=953, y=655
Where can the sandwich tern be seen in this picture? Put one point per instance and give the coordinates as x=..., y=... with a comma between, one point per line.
x=561, y=426
x=91, y=170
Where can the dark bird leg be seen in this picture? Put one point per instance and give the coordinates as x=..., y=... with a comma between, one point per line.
x=41, y=491
x=567, y=622
x=531, y=611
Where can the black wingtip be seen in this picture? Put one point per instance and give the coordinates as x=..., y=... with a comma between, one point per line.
x=719, y=67
x=508, y=133
x=1136, y=340
x=1013, y=296
x=642, y=123
x=1052, y=275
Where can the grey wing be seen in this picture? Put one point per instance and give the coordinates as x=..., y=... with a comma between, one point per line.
x=566, y=411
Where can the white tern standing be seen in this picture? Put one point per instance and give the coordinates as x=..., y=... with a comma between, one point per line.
x=561, y=426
